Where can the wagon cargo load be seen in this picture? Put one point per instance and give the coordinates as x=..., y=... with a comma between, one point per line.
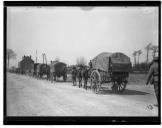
x=118, y=62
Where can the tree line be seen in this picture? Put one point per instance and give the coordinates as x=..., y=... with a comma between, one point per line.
x=144, y=66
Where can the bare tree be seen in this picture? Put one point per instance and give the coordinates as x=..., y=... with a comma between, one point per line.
x=81, y=61
x=148, y=48
x=10, y=55
x=154, y=49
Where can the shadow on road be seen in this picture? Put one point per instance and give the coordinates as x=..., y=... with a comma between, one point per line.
x=126, y=92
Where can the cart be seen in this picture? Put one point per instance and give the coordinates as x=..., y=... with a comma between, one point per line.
x=112, y=68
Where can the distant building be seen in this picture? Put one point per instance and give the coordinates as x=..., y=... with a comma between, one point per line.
x=26, y=65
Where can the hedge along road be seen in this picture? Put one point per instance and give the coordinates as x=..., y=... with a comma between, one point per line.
x=27, y=96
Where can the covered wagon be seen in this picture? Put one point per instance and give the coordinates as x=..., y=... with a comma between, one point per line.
x=59, y=69
x=111, y=68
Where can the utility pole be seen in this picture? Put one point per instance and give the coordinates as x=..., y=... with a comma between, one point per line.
x=36, y=56
x=43, y=57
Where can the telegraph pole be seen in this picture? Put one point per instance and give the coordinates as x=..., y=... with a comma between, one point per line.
x=43, y=57
x=36, y=56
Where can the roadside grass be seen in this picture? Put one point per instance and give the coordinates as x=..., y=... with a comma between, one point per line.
x=137, y=78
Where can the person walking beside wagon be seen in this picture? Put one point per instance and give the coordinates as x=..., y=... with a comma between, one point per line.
x=154, y=72
x=90, y=64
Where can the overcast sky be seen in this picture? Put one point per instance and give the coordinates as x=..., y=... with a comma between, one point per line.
x=71, y=32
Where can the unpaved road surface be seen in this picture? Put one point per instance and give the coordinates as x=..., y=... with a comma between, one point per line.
x=28, y=96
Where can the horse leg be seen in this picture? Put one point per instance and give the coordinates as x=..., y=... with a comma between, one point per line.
x=85, y=83
x=79, y=83
x=51, y=77
x=36, y=75
x=54, y=78
x=46, y=76
x=73, y=81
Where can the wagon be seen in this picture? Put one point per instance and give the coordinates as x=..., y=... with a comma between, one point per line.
x=112, y=68
x=60, y=70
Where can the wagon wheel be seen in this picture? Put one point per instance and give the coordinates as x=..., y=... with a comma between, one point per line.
x=95, y=81
x=119, y=87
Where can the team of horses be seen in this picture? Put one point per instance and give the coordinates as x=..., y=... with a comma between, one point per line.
x=81, y=74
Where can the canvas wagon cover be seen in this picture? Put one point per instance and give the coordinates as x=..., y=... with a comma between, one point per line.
x=101, y=61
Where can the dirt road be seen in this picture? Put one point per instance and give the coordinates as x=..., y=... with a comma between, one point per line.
x=28, y=96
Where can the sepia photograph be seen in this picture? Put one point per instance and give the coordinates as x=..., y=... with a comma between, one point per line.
x=82, y=61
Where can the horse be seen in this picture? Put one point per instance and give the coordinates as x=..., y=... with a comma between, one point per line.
x=85, y=76
x=79, y=76
x=74, y=75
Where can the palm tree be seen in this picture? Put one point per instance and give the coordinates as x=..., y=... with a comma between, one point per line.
x=148, y=48
x=134, y=55
x=154, y=49
x=139, y=52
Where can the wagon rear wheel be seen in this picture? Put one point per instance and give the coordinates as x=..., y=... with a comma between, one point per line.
x=119, y=87
x=95, y=81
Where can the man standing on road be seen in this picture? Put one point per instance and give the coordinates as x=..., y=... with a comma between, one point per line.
x=154, y=72
x=90, y=64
